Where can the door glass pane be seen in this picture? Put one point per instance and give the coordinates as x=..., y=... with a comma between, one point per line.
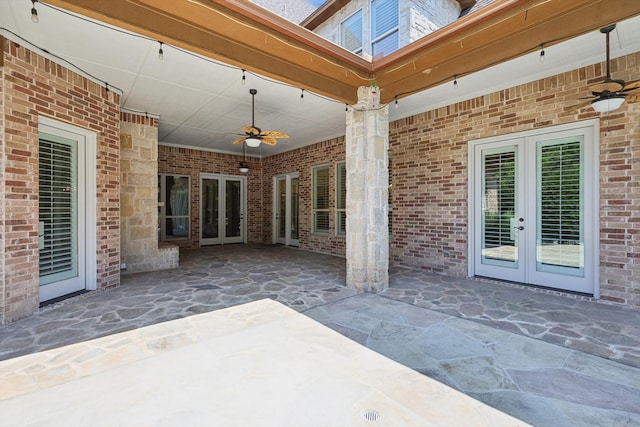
x=294, y=208
x=282, y=206
x=177, y=206
x=210, y=212
x=560, y=233
x=499, y=238
x=233, y=212
x=58, y=206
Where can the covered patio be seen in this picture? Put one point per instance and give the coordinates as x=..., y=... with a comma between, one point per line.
x=528, y=352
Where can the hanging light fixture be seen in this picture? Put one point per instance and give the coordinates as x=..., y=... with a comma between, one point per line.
x=34, y=12
x=244, y=167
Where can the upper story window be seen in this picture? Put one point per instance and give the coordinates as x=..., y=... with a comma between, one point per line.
x=351, y=36
x=384, y=27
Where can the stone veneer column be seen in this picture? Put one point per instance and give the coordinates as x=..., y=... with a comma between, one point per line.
x=367, y=142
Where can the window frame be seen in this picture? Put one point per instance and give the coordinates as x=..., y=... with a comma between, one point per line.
x=341, y=211
x=396, y=29
x=360, y=50
x=314, y=200
x=162, y=208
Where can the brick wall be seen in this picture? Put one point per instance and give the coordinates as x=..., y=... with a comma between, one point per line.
x=303, y=160
x=35, y=86
x=430, y=172
x=185, y=161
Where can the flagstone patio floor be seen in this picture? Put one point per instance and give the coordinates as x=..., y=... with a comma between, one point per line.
x=545, y=357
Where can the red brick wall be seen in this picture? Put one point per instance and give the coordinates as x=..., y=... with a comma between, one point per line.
x=33, y=86
x=303, y=160
x=185, y=161
x=430, y=172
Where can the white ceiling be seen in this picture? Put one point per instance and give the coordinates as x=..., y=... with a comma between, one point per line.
x=203, y=104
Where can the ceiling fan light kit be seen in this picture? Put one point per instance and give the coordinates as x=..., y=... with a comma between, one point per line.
x=611, y=94
x=253, y=142
x=606, y=105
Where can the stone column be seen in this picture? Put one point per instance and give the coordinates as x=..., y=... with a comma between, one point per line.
x=367, y=142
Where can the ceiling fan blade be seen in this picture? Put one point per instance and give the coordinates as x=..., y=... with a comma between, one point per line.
x=631, y=99
x=578, y=106
x=239, y=140
x=606, y=86
x=632, y=86
x=269, y=141
x=251, y=130
x=273, y=134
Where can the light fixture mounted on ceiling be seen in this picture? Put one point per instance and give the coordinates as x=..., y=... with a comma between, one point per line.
x=254, y=136
x=34, y=12
x=611, y=94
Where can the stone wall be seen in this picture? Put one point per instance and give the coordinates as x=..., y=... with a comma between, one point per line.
x=34, y=86
x=139, y=197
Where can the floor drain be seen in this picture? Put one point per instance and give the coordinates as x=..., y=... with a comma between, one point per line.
x=371, y=415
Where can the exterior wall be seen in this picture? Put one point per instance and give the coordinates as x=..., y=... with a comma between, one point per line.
x=139, y=197
x=34, y=86
x=430, y=173
x=423, y=17
x=416, y=18
x=185, y=161
x=303, y=160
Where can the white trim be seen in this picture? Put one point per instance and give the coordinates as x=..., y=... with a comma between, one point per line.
x=87, y=137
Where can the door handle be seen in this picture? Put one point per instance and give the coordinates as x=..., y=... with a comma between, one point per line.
x=519, y=228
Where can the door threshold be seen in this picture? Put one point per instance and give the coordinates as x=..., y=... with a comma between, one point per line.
x=62, y=298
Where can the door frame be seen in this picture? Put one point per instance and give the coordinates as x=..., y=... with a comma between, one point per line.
x=88, y=140
x=591, y=130
x=222, y=201
x=288, y=241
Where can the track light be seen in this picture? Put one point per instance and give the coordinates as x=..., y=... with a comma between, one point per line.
x=244, y=78
x=34, y=12
x=542, y=52
x=160, y=52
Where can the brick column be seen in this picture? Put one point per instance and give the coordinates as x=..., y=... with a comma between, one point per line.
x=367, y=142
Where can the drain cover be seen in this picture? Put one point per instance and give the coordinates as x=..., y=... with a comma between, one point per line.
x=371, y=415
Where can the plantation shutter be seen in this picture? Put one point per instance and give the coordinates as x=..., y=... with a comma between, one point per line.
x=58, y=209
x=321, y=198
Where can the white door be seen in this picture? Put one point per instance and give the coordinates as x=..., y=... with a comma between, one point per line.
x=222, y=209
x=535, y=208
x=286, y=209
x=62, y=222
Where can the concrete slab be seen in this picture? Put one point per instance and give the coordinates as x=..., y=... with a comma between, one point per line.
x=259, y=364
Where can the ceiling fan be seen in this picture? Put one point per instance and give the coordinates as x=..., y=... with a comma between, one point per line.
x=611, y=94
x=254, y=136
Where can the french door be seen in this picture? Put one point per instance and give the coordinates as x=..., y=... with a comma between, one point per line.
x=535, y=208
x=286, y=209
x=66, y=160
x=222, y=209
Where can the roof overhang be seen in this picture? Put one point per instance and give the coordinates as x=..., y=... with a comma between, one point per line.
x=245, y=35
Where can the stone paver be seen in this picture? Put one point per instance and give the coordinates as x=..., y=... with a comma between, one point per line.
x=538, y=356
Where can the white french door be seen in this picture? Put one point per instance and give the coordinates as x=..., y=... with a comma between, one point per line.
x=534, y=205
x=66, y=200
x=286, y=209
x=222, y=209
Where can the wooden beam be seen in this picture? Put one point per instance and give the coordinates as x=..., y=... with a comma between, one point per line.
x=505, y=30
x=255, y=40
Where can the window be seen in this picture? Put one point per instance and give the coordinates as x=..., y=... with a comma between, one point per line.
x=390, y=200
x=321, y=199
x=384, y=27
x=174, y=196
x=341, y=198
x=351, y=33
